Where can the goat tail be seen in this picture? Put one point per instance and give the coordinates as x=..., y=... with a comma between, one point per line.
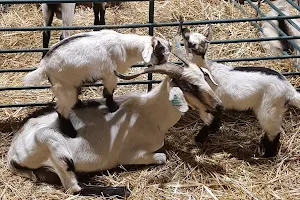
x=295, y=101
x=35, y=77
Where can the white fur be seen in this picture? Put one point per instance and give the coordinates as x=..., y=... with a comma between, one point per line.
x=131, y=135
x=89, y=58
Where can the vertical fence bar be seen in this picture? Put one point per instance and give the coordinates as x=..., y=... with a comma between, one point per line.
x=151, y=30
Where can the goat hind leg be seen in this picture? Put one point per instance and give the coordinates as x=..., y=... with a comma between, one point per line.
x=271, y=124
x=110, y=83
x=68, y=14
x=66, y=99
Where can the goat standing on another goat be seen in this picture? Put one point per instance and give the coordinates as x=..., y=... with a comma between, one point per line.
x=131, y=135
x=92, y=56
x=263, y=90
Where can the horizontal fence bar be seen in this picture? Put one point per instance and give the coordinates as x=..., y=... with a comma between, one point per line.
x=163, y=24
x=85, y=85
x=100, y=84
x=42, y=104
x=37, y=50
x=216, y=60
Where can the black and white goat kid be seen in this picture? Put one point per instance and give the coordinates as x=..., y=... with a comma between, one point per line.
x=263, y=90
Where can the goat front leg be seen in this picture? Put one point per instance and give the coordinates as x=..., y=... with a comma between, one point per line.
x=211, y=125
x=110, y=83
x=66, y=99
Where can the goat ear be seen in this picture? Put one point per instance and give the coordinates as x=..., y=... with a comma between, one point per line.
x=208, y=74
x=148, y=50
x=178, y=100
x=208, y=32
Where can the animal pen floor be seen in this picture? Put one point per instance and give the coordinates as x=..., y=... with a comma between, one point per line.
x=227, y=166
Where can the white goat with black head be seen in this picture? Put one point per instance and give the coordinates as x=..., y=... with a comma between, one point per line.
x=92, y=56
x=263, y=90
x=65, y=12
x=131, y=135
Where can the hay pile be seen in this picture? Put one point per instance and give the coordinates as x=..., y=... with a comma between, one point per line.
x=225, y=167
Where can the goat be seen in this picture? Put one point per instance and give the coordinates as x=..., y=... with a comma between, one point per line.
x=92, y=56
x=268, y=30
x=263, y=90
x=65, y=11
x=131, y=135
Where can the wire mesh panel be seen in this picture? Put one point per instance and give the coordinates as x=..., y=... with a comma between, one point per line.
x=249, y=10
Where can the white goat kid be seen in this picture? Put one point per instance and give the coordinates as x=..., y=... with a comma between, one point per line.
x=94, y=56
x=131, y=135
x=263, y=90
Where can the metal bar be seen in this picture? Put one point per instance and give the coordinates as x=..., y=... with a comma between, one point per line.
x=151, y=31
x=277, y=29
x=86, y=85
x=163, y=24
x=100, y=84
x=216, y=60
x=45, y=104
x=37, y=50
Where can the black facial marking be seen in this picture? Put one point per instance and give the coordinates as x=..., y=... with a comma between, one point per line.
x=70, y=163
x=271, y=147
x=159, y=53
x=64, y=42
x=120, y=192
x=66, y=126
x=263, y=70
x=286, y=46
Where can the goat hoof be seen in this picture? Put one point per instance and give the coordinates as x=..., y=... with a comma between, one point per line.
x=113, y=107
x=67, y=128
x=271, y=147
x=200, y=139
x=202, y=135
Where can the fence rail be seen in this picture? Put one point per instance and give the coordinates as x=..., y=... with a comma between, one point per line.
x=151, y=25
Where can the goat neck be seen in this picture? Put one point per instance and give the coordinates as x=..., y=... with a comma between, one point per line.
x=159, y=106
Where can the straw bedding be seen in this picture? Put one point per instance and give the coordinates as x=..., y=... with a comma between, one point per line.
x=228, y=166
